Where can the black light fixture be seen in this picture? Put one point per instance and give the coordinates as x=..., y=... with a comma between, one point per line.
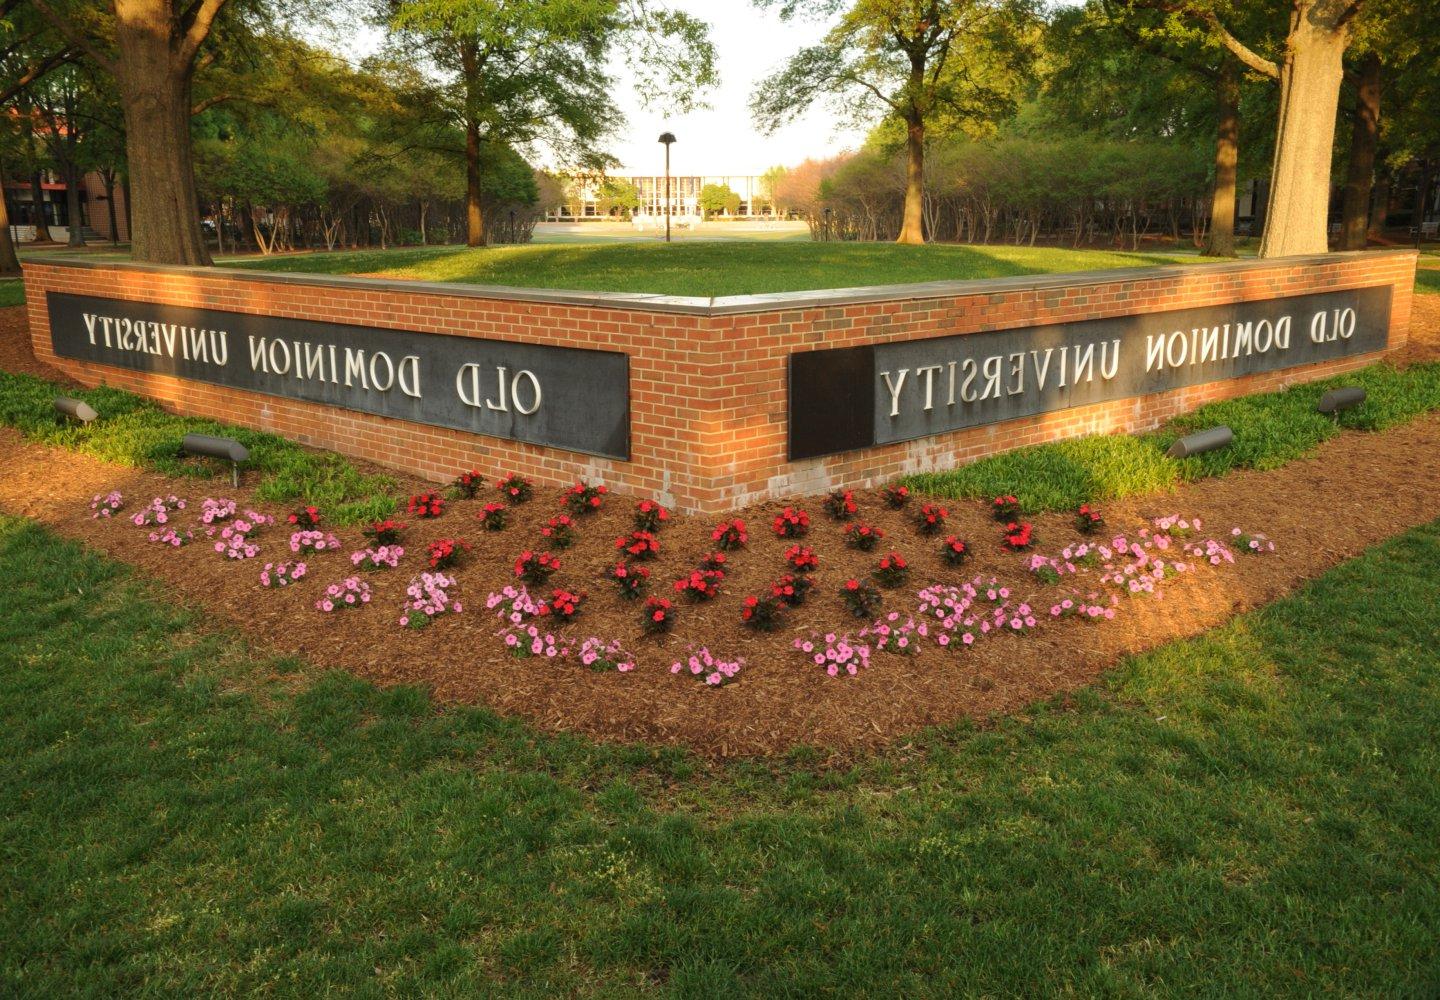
x=1340, y=399
x=225, y=449
x=75, y=409
x=1201, y=441
x=667, y=138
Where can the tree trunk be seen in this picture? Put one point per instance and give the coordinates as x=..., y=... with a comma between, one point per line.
x=1380, y=204
x=37, y=201
x=129, y=219
x=1309, y=95
x=912, y=229
x=155, y=95
x=109, y=178
x=1364, y=137
x=9, y=263
x=1227, y=157
x=1422, y=200
x=76, y=228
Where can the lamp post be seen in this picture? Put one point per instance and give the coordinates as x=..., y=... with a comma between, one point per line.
x=667, y=138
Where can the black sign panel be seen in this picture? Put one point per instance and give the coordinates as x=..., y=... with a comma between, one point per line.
x=562, y=397
x=850, y=398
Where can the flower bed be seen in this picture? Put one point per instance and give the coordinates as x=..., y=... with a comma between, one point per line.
x=744, y=597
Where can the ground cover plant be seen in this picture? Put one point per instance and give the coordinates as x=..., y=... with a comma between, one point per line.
x=136, y=432
x=1247, y=813
x=1271, y=429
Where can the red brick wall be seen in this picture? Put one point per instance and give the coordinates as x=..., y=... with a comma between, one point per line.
x=708, y=379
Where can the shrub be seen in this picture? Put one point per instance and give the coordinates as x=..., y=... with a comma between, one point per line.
x=632, y=580
x=650, y=516
x=1251, y=544
x=303, y=517
x=525, y=641
x=535, y=568
x=380, y=557
x=1005, y=508
x=802, y=559
x=604, y=657
x=467, y=485
x=564, y=604
x=1018, y=537
x=841, y=505
x=169, y=536
x=955, y=551
x=213, y=510
x=425, y=505
x=659, y=615
x=701, y=584
x=729, y=536
x=158, y=511
x=584, y=498
x=791, y=523
x=1088, y=520
x=493, y=516
x=862, y=536
x=705, y=666
x=386, y=532
x=838, y=654
x=514, y=605
x=427, y=598
x=515, y=488
x=312, y=541
x=641, y=545
x=791, y=589
x=106, y=505
x=891, y=635
x=762, y=613
x=897, y=495
x=351, y=592
x=446, y=553
x=560, y=532
x=892, y=571
x=931, y=519
x=861, y=598
x=282, y=574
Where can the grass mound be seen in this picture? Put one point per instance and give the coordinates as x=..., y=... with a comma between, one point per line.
x=136, y=432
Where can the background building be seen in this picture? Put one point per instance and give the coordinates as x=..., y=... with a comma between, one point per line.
x=583, y=196
x=99, y=219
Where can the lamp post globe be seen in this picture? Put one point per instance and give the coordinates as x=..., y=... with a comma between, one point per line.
x=666, y=138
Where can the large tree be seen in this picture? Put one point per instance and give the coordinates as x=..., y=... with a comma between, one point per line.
x=522, y=72
x=921, y=63
x=1311, y=72
x=151, y=50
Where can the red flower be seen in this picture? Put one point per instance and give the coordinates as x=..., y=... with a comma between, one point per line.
x=791, y=523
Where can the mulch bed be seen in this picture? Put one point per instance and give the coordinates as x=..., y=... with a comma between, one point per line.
x=1356, y=491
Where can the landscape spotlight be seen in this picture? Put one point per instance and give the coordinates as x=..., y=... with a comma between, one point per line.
x=1194, y=444
x=75, y=409
x=226, y=449
x=1340, y=399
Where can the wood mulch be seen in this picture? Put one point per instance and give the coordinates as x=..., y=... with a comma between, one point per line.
x=1357, y=490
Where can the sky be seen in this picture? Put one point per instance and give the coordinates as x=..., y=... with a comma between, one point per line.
x=749, y=45
x=722, y=140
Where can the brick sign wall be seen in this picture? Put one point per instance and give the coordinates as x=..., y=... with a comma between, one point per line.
x=700, y=401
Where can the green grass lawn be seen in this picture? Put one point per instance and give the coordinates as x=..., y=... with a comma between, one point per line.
x=1271, y=429
x=1253, y=813
x=136, y=432
x=711, y=268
